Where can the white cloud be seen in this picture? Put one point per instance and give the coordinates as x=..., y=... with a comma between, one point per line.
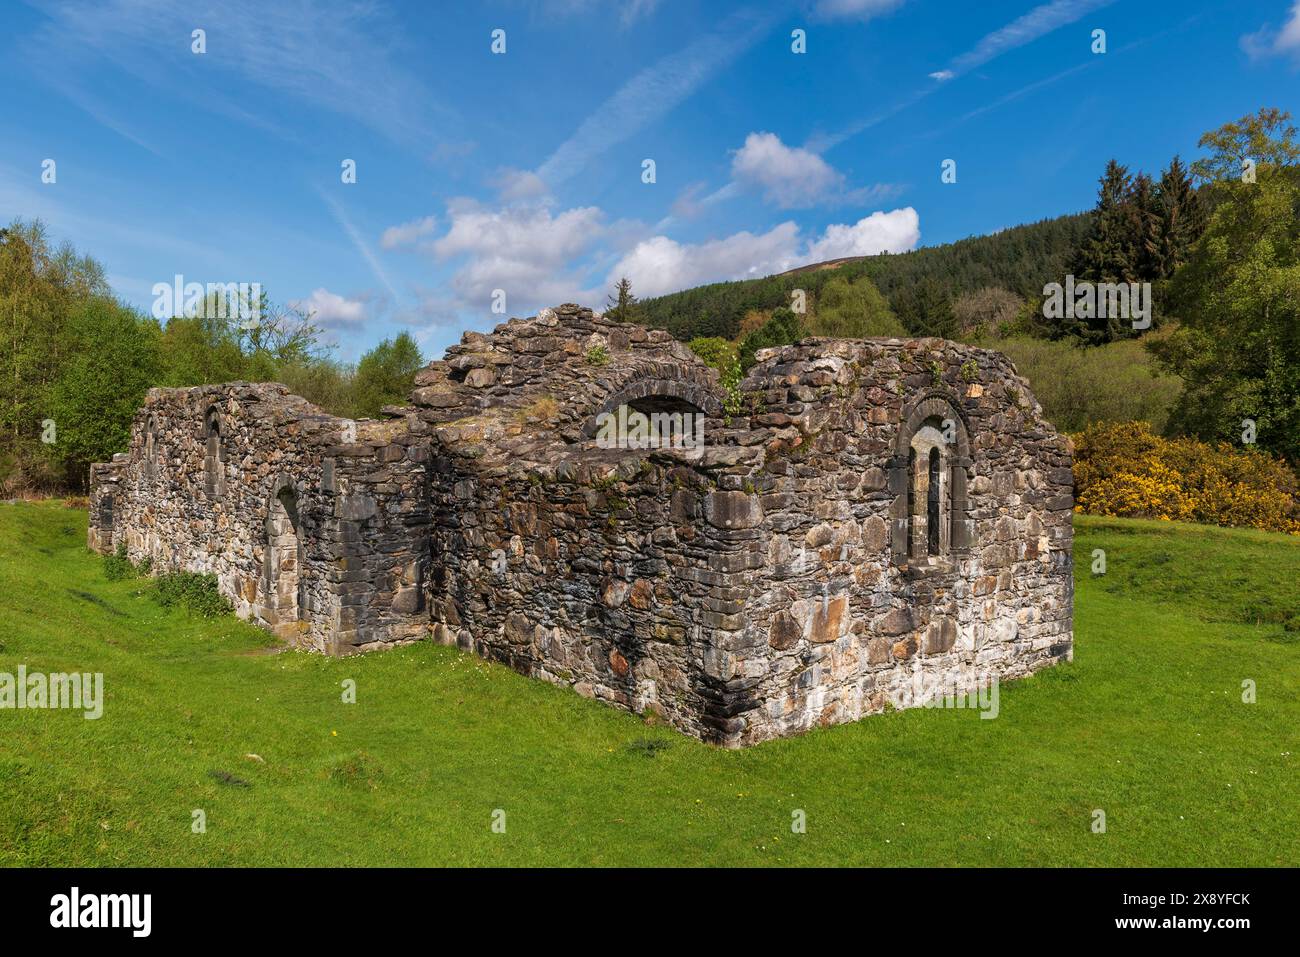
x=518, y=184
x=893, y=232
x=331, y=310
x=524, y=250
x=942, y=75
x=407, y=233
x=659, y=265
x=857, y=9
x=1268, y=42
x=790, y=177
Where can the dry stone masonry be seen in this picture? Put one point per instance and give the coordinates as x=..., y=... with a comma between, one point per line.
x=879, y=519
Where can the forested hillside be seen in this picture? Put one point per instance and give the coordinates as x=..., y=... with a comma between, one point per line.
x=1020, y=260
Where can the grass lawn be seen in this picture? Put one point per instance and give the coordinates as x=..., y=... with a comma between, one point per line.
x=1147, y=724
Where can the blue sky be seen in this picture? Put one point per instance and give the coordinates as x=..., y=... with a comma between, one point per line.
x=523, y=170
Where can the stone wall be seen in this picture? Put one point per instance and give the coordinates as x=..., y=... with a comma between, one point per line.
x=839, y=621
x=880, y=519
x=313, y=525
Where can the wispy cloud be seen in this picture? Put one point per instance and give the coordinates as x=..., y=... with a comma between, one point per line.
x=362, y=247
x=1268, y=41
x=854, y=9
x=1025, y=29
x=331, y=54
x=1057, y=77
x=1038, y=22
x=652, y=94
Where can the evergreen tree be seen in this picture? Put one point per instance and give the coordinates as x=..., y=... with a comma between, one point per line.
x=1182, y=219
x=1143, y=216
x=1109, y=253
x=926, y=310
x=623, y=306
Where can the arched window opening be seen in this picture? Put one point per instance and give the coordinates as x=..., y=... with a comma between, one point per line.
x=928, y=509
x=928, y=476
x=214, y=455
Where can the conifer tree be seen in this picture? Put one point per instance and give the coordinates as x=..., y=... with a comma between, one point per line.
x=1182, y=219
x=1108, y=254
x=622, y=305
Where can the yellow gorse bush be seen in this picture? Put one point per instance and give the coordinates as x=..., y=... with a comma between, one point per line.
x=1127, y=470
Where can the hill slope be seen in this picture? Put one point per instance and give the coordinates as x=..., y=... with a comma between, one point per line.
x=1021, y=259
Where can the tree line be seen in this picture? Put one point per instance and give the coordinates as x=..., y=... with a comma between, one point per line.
x=77, y=361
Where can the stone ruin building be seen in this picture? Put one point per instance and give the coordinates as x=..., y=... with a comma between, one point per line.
x=864, y=520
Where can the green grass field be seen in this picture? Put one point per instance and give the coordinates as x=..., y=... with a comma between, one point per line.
x=1147, y=724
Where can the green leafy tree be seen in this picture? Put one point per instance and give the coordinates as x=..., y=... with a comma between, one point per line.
x=115, y=358
x=1267, y=138
x=853, y=310
x=1238, y=297
x=39, y=288
x=385, y=375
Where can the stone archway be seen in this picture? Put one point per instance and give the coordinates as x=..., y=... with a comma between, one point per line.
x=693, y=392
x=283, y=564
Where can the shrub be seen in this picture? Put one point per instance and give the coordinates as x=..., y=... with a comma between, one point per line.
x=720, y=354
x=196, y=592
x=597, y=356
x=117, y=567
x=782, y=329
x=1127, y=470
x=987, y=310
x=1081, y=385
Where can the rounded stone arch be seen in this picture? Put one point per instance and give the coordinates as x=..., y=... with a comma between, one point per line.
x=928, y=476
x=930, y=404
x=693, y=391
